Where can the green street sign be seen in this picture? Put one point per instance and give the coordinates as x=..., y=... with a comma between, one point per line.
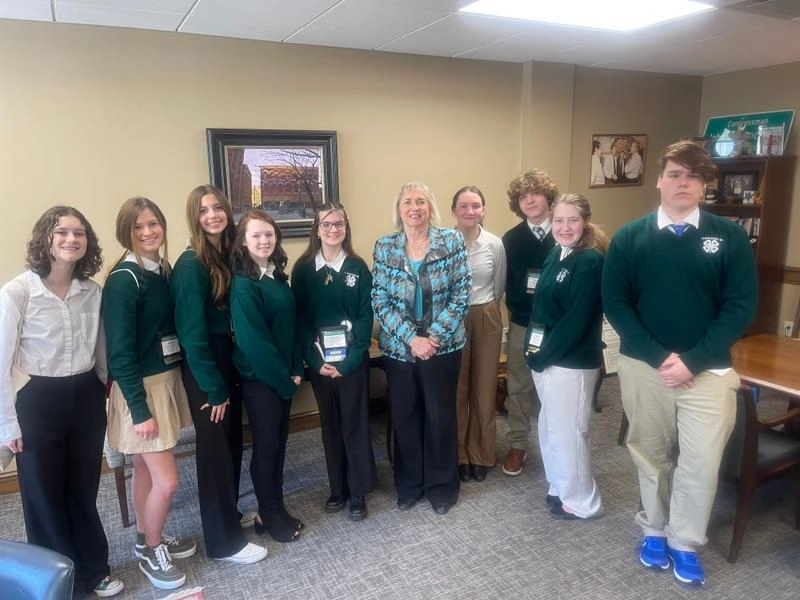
x=750, y=134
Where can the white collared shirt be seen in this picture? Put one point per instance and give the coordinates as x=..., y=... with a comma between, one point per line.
x=565, y=252
x=693, y=218
x=58, y=338
x=268, y=271
x=487, y=261
x=149, y=265
x=547, y=226
x=336, y=264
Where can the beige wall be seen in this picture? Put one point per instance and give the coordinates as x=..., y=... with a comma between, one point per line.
x=665, y=107
x=91, y=116
x=759, y=90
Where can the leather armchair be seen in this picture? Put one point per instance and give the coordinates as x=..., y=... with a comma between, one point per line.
x=29, y=572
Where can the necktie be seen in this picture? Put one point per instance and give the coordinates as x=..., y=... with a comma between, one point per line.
x=679, y=228
x=538, y=232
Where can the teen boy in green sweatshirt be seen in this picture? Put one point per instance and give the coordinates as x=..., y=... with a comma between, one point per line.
x=680, y=287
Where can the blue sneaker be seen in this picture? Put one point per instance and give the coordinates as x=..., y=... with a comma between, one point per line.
x=687, y=567
x=653, y=553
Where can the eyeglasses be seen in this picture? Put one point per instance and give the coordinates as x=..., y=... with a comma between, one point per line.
x=328, y=225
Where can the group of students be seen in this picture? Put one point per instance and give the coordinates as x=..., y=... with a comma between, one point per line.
x=168, y=347
x=223, y=330
x=680, y=287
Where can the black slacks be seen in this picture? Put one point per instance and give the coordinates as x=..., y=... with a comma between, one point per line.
x=218, y=455
x=269, y=422
x=344, y=420
x=423, y=406
x=63, y=421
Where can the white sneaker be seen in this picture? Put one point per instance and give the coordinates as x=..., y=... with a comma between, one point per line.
x=251, y=553
x=248, y=519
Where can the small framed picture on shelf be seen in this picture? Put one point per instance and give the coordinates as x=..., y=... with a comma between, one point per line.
x=748, y=197
x=735, y=184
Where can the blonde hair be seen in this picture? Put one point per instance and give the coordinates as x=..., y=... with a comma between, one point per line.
x=593, y=236
x=397, y=222
x=126, y=229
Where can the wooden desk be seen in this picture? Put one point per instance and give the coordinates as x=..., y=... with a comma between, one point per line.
x=770, y=361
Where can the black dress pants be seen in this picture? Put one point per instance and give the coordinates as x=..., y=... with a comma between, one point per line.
x=63, y=421
x=344, y=420
x=218, y=455
x=269, y=422
x=423, y=407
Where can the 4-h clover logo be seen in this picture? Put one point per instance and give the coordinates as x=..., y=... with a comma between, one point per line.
x=711, y=246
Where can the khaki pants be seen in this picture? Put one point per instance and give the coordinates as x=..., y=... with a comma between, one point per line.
x=520, y=389
x=677, y=488
x=477, y=385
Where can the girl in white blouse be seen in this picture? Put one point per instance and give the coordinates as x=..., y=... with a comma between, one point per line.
x=52, y=399
x=477, y=379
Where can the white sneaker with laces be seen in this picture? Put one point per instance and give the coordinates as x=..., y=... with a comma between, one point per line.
x=250, y=554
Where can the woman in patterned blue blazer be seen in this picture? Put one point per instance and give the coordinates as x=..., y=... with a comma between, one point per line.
x=420, y=293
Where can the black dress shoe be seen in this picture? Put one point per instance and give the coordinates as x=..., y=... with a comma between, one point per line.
x=335, y=504
x=552, y=501
x=464, y=473
x=441, y=508
x=358, y=508
x=478, y=472
x=406, y=504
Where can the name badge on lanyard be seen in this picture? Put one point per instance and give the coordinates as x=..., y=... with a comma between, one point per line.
x=334, y=343
x=531, y=279
x=170, y=348
x=535, y=337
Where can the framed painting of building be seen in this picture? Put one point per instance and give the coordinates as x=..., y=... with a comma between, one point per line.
x=287, y=173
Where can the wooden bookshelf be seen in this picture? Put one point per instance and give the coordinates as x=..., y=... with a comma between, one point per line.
x=766, y=221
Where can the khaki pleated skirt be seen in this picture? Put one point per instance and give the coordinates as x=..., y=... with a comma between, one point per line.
x=167, y=402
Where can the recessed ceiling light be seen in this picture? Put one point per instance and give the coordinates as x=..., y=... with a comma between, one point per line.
x=614, y=15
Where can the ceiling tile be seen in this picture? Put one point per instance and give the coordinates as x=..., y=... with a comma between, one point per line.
x=29, y=10
x=365, y=24
x=454, y=35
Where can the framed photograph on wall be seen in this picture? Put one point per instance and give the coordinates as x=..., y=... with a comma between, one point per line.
x=287, y=173
x=617, y=159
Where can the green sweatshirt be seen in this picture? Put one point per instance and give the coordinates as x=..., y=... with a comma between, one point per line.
x=136, y=309
x=197, y=318
x=694, y=295
x=347, y=296
x=263, y=317
x=523, y=251
x=567, y=304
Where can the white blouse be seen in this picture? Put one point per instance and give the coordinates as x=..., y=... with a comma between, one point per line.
x=57, y=338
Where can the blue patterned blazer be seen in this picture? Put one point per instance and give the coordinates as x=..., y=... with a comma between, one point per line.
x=445, y=279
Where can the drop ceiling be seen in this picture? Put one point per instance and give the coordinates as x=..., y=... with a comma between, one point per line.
x=738, y=35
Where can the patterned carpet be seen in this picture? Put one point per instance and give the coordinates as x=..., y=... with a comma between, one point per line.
x=499, y=541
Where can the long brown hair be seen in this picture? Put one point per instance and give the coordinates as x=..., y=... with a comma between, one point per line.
x=314, y=241
x=241, y=261
x=593, y=236
x=126, y=229
x=39, y=256
x=216, y=261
